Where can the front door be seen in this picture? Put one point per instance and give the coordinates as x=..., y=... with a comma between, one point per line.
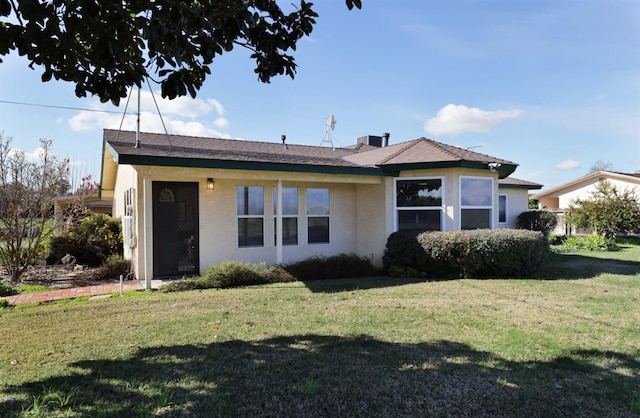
x=175, y=229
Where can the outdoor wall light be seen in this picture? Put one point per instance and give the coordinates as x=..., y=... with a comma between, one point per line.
x=210, y=183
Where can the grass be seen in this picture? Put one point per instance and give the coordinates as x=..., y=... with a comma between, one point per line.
x=564, y=344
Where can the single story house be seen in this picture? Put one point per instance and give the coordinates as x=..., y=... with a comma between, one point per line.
x=558, y=199
x=190, y=202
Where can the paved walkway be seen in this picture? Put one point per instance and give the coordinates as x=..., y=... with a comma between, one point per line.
x=74, y=292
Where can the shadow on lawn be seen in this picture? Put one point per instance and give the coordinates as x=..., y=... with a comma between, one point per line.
x=314, y=375
x=572, y=266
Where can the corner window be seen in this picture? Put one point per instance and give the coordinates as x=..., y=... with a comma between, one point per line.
x=419, y=204
x=289, y=215
x=318, y=215
x=250, y=212
x=502, y=208
x=476, y=202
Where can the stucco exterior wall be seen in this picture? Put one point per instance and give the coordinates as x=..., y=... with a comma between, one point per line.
x=584, y=191
x=218, y=218
x=517, y=202
x=374, y=220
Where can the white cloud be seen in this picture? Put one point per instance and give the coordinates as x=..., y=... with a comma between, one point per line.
x=455, y=119
x=182, y=116
x=567, y=165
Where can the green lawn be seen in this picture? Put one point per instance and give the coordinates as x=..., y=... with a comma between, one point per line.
x=564, y=344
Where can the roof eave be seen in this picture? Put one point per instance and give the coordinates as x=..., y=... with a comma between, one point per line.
x=245, y=165
x=394, y=169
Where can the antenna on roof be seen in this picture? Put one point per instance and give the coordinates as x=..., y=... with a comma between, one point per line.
x=331, y=125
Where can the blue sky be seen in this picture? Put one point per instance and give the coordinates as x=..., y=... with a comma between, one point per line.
x=551, y=85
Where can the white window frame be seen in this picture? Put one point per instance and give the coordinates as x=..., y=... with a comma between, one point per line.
x=310, y=215
x=129, y=218
x=238, y=217
x=397, y=208
x=295, y=216
x=506, y=208
x=490, y=207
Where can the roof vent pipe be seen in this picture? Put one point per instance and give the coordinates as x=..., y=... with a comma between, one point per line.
x=385, y=139
x=284, y=140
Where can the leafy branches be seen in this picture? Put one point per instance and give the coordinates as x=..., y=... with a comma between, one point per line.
x=608, y=211
x=106, y=46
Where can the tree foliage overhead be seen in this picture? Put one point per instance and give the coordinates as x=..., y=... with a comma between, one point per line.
x=608, y=211
x=107, y=46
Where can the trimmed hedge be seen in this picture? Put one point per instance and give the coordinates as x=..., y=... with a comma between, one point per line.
x=341, y=266
x=238, y=273
x=403, y=254
x=478, y=253
x=537, y=220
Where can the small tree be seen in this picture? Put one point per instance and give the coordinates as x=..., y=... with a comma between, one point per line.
x=608, y=211
x=26, y=192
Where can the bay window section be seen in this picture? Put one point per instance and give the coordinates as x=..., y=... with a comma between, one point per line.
x=419, y=204
x=250, y=213
x=289, y=215
x=476, y=202
x=318, y=215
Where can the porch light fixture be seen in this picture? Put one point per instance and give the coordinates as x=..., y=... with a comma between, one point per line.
x=210, y=183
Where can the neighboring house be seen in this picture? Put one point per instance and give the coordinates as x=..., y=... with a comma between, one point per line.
x=63, y=204
x=190, y=202
x=558, y=199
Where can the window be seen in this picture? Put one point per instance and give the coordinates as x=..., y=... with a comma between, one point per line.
x=128, y=220
x=476, y=202
x=502, y=208
x=419, y=204
x=289, y=215
x=250, y=211
x=318, y=213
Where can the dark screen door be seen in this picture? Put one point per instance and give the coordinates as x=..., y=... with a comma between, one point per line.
x=175, y=229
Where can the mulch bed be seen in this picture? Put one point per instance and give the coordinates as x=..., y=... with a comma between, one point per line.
x=58, y=277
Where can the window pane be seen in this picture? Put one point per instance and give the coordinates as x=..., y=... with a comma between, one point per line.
x=318, y=229
x=318, y=202
x=250, y=232
x=476, y=192
x=289, y=200
x=289, y=231
x=250, y=200
x=475, y=219
x=425, y=220
x=502, y=208
x=426, y=192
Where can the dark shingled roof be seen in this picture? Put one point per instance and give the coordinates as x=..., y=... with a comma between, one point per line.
x=517, y=183
x=159, y=149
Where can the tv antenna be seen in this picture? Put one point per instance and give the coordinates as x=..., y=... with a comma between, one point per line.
x=331, y=125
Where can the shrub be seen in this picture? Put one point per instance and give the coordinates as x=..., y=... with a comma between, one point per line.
x=231, y=274
x=6, y=289
x=537, y=220
x=113, y=267
x=590, y=243
x=91, y=241
x=557, y=239
x=341, y=266
x=483, y=253
x=403, y=251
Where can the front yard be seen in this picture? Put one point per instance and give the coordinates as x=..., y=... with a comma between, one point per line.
x=564, y=344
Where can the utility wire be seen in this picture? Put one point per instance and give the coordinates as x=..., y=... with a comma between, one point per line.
x=62, y=107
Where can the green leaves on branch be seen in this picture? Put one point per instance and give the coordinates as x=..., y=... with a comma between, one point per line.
x=107, y=46
x=608, y=211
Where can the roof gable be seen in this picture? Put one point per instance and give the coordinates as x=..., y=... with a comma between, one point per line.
x=633, y=179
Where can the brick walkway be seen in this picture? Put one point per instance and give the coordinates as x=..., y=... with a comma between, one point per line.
x=74, y=292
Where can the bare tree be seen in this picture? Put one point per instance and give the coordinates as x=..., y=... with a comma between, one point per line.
x=600, y=165
x=27, y=189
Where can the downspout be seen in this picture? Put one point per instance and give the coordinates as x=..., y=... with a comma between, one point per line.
x=148, y=237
